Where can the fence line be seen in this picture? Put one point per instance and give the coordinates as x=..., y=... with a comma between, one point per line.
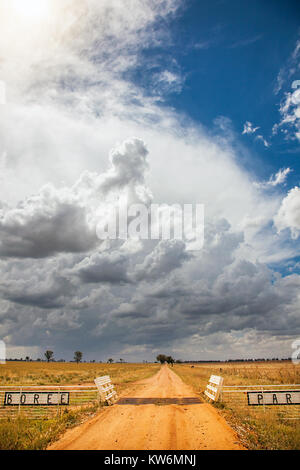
x=236, y=397
x=32, y=401
x=261, y=385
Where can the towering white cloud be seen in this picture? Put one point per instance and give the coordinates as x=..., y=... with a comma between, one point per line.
x=288, y=215
x=69, y=102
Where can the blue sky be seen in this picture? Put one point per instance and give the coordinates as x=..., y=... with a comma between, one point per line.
x=229, y=54
x=171, y=102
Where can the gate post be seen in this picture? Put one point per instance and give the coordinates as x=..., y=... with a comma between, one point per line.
x=19, y=408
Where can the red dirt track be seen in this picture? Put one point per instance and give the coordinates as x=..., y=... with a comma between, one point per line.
x=154, y=427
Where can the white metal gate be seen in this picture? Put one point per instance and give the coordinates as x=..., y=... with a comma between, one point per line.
x=44, y=401
x=238, y=397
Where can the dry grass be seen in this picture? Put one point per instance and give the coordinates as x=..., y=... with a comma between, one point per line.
x=33, y=434
x=30, y=434
x=70, y=373
x=258, y=428
x=241, y=373
x=257, y=431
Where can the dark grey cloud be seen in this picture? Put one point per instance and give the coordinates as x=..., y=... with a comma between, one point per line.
x=52, y=294
x=63, y=288
x=43, y=226
x=103, y=267
x=169, y=305
x=165, y=257
x=65, y=220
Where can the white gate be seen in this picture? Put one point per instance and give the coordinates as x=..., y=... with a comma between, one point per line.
x=280, y=399
x=44, y=401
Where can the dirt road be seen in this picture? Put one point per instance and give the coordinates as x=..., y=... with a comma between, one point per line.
x=153, y=427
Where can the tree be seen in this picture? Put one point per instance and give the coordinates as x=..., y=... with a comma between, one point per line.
x=49, y=355
x=110, y=360
x=170, y=360
x=77, y=356
x=162, y=358
x=121, y=360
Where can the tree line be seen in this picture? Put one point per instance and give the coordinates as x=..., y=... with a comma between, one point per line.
x=77, y=356
x=162, y=358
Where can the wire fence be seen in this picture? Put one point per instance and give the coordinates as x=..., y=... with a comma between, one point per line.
x=38, y=402
x=50, y=401
x=263, y=400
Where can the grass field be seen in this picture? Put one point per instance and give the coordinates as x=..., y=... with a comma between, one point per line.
x=70, y=373
x=257, y=428
x=36, y=434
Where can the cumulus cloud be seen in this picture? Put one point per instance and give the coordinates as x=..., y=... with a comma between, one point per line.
x=166, y=256
x=103, y=267
x=152, y=287
x=64, y=220
x=50, y=293
x=128, y=166
x=45, y=224
x=68, y=102
x=288, y=215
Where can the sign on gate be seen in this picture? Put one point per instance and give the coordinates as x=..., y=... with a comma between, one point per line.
x=274, y=397
x=36, y=398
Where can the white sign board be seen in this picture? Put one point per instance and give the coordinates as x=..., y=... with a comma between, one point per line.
x=274, y=397
x=36, y=398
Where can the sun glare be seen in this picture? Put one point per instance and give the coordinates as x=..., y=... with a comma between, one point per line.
x=31, y=9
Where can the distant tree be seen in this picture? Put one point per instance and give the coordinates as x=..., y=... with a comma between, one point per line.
x=27, y=358
x=162, y=358
x=170, y=360
x=48, y=355
x=77, y=356
x=110, y=360
x=121, y=360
